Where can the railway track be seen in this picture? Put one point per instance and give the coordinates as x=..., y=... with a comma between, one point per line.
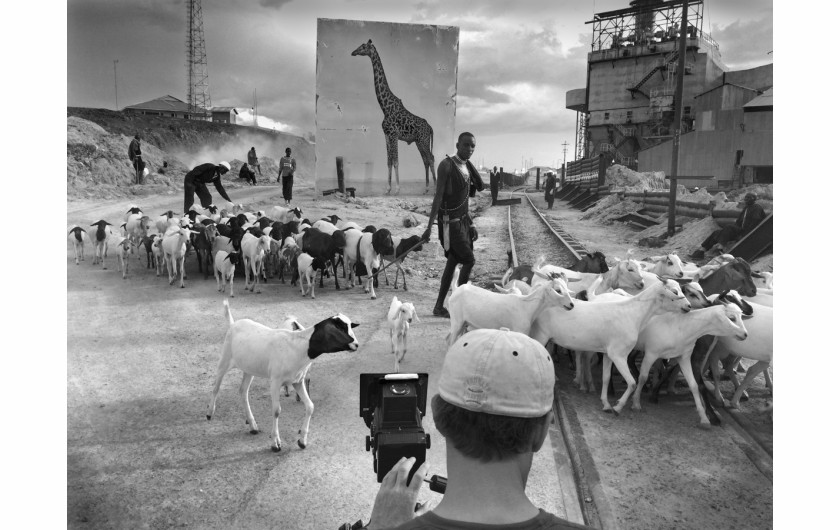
x=595, y=506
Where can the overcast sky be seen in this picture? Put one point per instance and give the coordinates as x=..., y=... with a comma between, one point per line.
x=517, y=59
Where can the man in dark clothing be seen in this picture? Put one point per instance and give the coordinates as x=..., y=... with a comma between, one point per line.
x=457, y=180
x=550, y=182
x=136, y=158
x=195, y=182
x=750, y=217
x=494, y=185
x=287, y=173
x=253, y=161
x=245, y=172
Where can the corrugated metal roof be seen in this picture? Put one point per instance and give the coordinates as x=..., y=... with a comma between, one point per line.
x=162, y=104
x=224, y=109
x=763, y=101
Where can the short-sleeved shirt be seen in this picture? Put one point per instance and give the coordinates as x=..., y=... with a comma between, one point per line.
x=542, y=521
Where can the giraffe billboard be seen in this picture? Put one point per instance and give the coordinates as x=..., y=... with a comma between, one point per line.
x=385, y=103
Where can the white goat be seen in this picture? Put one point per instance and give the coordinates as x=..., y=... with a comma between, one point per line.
x=78, y=236
x=174, y=250
x=283, y=357
x=479, y=308
x=611, y=327
x=157, y=253
x=758, y=347
x=254, y=250
x=672, y=335
x=400, y=316
x=124, y=247
x=100, y=249
x=137, y=226
x=667, y=266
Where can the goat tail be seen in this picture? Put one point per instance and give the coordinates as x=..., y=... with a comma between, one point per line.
x=227, y=311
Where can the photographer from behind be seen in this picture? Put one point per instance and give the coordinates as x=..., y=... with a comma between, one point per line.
x=493, y=407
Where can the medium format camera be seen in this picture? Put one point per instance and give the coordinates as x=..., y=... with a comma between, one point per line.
x=393, y=406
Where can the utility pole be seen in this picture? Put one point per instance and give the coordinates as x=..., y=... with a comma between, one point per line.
x=116, y=100
x=678, y=111
x=255, y=107
x=565, y=145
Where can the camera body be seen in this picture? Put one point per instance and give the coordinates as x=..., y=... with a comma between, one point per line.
x=393, y=406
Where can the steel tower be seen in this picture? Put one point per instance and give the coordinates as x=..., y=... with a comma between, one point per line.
x=198, y=86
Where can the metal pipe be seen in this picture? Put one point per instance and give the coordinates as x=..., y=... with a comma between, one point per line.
x=678, y=98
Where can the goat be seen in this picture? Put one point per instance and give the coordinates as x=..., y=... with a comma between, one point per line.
x=758, y=347
x=224, y=268
x=283, y=357
x=401, y=246
x=514, y=286
x=123, y=253
x=100, y=249
x=132, y=210
x=726, y=272
x=284, y=215
x=594, y=262
x=672, y=335
x=364, y=250
x=480, y=308
x=307, y=265
x=78, y=236
x=668, y=266
x=157, y=253
x=292, y=324
x=400, y=316
x=320, y=245
x=584, y=329
x=254, y=250
x=137, y=226
x=203, y=244
x=174, y=251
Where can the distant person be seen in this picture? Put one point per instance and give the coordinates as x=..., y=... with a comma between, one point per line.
x=136, y=159
x=493, y=407
x=750, y=217
x=287, y=173
x=495, y=176
x=196, y=181
x=457, y=181
x=501, y=177
x=550, y=183
x=253, y=160
x=245, y=172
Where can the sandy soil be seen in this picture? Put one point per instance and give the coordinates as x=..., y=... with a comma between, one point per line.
x=142, y=356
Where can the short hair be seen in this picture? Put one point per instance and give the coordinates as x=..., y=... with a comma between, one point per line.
x=485, y=437
x=465, y=134
x=288, y=149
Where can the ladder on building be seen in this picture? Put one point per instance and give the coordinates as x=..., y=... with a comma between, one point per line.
x=671, y=57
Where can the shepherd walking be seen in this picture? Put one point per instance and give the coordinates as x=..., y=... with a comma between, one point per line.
x=287, y=173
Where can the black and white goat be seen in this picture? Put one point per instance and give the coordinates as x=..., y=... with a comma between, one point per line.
x=283, y=357
x=224, y=268
x=100, y=248
x=78, y=236
x=401, y=245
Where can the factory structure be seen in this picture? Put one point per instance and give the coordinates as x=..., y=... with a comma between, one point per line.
x=626, y=111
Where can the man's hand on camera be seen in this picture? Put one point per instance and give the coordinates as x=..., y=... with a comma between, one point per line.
x=427, y=234
x=394, y=504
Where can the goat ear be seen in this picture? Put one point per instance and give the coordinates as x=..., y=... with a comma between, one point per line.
x=354, y=325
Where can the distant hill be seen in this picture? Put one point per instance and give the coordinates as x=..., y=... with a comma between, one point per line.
x=97, y=151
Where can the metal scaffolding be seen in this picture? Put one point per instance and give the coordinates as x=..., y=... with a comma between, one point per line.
x=647, y=23
x=198, y=85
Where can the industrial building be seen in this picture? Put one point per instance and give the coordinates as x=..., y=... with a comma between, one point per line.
x=626, y=112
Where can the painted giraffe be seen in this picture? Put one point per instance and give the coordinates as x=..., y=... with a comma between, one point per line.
x=399, y=123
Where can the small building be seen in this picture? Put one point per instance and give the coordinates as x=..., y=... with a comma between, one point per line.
x=224, y=114
x=167, y=106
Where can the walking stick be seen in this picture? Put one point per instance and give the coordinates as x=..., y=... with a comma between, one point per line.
x=399, y=258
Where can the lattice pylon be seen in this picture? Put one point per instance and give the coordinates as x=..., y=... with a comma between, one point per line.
x=198, y=85
x=581, y=122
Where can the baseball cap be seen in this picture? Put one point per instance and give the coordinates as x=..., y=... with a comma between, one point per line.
x=498, y=371
x=223, y=163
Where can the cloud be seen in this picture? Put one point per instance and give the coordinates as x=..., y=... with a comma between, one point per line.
x=743, y=44
x=275, y=4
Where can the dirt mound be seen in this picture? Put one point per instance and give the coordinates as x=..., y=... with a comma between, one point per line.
x=97, y=152
x=619, y=176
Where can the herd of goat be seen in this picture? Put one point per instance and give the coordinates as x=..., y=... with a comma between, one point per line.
x=666, y=310
x=256, y=245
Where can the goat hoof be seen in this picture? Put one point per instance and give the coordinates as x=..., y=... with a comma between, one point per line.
x=276, y=448
x=301, y=444
x=209, y=417
x=255, y=431
x=637, y=408
x=373, y=298
x=183, y=286
x=705, y=425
